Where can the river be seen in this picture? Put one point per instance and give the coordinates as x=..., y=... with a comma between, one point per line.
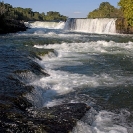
x=48, y=65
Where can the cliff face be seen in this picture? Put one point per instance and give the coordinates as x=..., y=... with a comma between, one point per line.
x=122, y=27
x=11, y=26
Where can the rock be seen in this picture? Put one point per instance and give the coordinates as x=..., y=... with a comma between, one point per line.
x=61, y=118
x=11, y=26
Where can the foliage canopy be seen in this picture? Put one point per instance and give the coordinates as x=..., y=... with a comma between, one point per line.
x=105, y=10
x=127, y=8
x=26, y=14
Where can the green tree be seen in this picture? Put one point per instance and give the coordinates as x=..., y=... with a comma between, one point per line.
x=127, y=8
x=105, y=10
x=26, y=14
x=43, y=16
x=55, y=16
x=2, y=9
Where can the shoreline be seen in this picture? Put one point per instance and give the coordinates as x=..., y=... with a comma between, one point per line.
x=12, y=26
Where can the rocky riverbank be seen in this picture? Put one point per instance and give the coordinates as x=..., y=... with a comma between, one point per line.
x=11, y=26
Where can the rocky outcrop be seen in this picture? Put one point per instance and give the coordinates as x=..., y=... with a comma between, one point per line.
x=11, y=26
x=61, y=118
x=122, y=26
x=57, y=119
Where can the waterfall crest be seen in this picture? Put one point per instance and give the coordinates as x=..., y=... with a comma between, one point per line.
x=104, y=25
x=49, y=25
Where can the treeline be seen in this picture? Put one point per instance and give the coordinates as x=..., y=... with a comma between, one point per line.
x=124, y=14
x=26, y=14
x=126, y=6
x=106, y=10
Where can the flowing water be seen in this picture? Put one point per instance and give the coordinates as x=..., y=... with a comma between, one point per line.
x=49, y=65
x=91, y=25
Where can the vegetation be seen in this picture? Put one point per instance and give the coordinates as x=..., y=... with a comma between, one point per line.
x=124, y=15
x=26, y=14
x=127, y=9
x=106, y=10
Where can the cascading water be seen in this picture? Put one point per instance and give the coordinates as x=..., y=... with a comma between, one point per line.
x=49, y=25
x=104, y=25
x=50, y=76
x=100, y=26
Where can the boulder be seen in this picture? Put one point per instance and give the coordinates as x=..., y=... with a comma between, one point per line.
x=61, y=118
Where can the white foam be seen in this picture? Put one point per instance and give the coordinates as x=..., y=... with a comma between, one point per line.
x=58, y=83
x=102, y=122
x=72, y=54
x=27, y=24
x=92, y=47
x=101, y=26
x=61, y=83
x=50, y=91
x=49, y=25
x=60, y=25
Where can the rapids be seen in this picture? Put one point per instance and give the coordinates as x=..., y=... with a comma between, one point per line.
x=54, y=64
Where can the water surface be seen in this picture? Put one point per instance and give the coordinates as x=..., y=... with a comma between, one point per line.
x=45, y=67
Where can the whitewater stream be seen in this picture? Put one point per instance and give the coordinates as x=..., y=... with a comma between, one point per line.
x=89, y=64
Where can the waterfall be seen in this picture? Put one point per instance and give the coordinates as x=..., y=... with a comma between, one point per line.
x=43, y=24
x=104, y=25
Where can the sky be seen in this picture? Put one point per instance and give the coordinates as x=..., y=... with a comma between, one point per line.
x=69, y=8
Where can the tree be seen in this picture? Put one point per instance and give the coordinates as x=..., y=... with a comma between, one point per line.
x=2, y=8
x=127, y=8
x=105, y=10
x=55, y=16
x=26, y=14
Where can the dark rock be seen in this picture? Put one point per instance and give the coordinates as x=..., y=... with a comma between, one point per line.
x=61, y=118
x=11, y=26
